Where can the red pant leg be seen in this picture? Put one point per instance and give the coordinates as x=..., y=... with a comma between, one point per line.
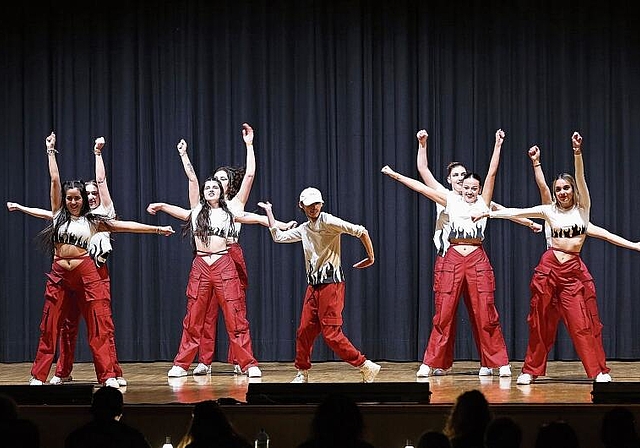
x=67, y=339
x=235, y=251
x=592, y=307
x=199, y=294
x=447, y=286
x=54, y=303
x=308, y=329
x=230, y=296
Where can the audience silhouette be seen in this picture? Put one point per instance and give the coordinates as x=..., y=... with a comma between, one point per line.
x=210, y=428
x=16, y=432
x=468, y=420
x=619, y=429
x=503, y=432
x=556, y=434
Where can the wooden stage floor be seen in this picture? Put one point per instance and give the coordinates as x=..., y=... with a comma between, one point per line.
x=148, y=382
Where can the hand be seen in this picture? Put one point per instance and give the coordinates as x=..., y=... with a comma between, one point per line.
x=534, y=154
x=422, y=137
x=576, y=143
x=51, y=141
x=477, y=216
x=387, y=170
x=499, y=137
x=536, y=227
x=99, y=144
x=247, y=134
x=290, y=225
x=265, y=205
x=364, y=263
x=154, y=207
x=165, y=230
x=12, y=206
x=182, y=147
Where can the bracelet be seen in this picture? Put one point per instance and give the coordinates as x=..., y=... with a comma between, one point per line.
x=537, y=164
x=52, y=151
x=158, y=230
x=182, y=153
x=97, y=152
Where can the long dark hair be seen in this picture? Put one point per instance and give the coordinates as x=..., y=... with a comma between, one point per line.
x=235, y=175
x=202, y=220
x=46, y=236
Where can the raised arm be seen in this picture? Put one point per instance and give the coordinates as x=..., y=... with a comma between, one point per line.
x=603, y=234
x=437, y=196
x=101, y=174
x=172, y=210
x=585, y=199
x=55, y=191
x=194, y=187
x=33, y=211
x=534, y=226
x=541, y=182
x=490, y=180
x=422, y=161
x=250, y=169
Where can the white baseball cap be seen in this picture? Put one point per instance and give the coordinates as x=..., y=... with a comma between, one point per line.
x=310, y=196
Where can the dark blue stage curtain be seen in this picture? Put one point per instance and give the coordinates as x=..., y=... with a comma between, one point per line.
x=334, y=91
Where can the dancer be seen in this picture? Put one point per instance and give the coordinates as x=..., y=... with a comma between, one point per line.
x=456, y=172
x=213, y=280
x=324, y=298
x=99, y=248
x=466, y=270
x=557, y=286
x=75, y=280
x=588, y=282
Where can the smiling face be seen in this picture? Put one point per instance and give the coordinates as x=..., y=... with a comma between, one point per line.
x=563, y=192
x=92, y=195
x=73, y=201
x=312, y=211
x=471, y=188
x=455, y=177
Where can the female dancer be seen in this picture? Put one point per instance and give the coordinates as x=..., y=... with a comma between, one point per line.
x=456, y=172
x=466, y=269
x=75, y=280
x=557, y=286
x=213, y=281
x=99, y=249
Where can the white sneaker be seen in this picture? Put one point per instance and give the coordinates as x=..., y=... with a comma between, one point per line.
x=505, y=371
x=237, y=370
x=34, y=382
x=485, y=371
x=424, y=371
x=525, y=378
x=121, y=381
x=176, y=371
x=603, y=378
x=301, y=377
x=440, y=372
x=112, y=382
x=369, y=371
x=202, y=369
x=60, y=380
x=254, y=372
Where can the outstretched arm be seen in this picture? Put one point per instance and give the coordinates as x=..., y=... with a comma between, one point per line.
x=490, y=180
x=541, y=182
x=101, y=174
x=537, y=228
x=585, y=199
x=435, y=195
x=254, y=218
x=603, y=234
x=55, y=193
x=173, y=210
x=368, y=246
x=250, y=168
x=33, y=211
x=422, y=161
x=114, y=225
x=194, y=188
